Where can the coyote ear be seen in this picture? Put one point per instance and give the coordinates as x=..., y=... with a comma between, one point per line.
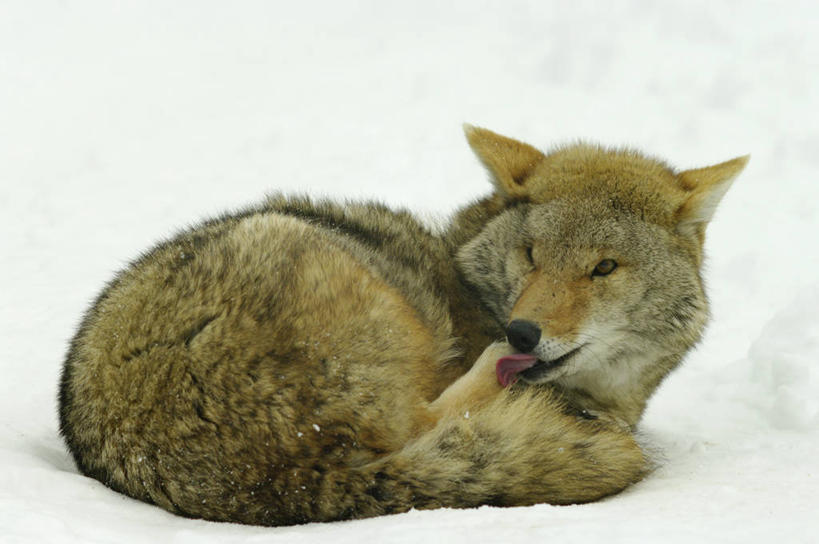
x=706, y=188
x=509, y=161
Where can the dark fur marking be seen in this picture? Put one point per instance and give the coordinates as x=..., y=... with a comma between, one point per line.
x=198, y=328
x=347, y=513
x=377, y=493
x=495, y=500
x=139, y=352
x=375, y=237
x=585, y=414
x=133, y=354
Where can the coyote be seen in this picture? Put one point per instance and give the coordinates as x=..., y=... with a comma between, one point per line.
x=307, y=360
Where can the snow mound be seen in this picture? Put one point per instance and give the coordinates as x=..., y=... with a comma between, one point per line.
x=783, y=365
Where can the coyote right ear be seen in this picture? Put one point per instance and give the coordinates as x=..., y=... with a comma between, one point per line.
x=706, y=188
x=509, y=161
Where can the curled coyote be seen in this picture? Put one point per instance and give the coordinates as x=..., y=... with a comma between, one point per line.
x=309, y=361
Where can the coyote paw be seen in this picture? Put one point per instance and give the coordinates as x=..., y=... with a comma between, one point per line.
x=605, y=418
x=488, y=360
x=478, y=385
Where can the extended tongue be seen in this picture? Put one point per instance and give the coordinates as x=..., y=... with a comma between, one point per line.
x=510, y=366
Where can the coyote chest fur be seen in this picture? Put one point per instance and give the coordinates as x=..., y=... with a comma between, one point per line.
x=311, y=361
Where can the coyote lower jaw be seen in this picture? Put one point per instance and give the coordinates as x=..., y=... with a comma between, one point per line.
x=529, y=367
x=541, y=369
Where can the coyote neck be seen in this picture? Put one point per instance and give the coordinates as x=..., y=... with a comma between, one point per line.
x=470, y=220
x=625, y=398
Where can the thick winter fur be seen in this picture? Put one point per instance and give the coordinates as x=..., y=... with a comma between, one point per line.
x=310, y=361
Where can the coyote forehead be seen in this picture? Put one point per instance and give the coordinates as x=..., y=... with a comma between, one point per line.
x=628, y=180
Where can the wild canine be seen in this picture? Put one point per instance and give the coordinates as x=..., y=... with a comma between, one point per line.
x=311, y=361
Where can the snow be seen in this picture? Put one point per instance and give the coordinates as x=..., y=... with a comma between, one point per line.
x=122, y=122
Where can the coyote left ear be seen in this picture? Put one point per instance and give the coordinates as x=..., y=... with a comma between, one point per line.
x=509, y=161
x=706, y=188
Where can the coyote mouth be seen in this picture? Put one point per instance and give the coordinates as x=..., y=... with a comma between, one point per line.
x=528, y=367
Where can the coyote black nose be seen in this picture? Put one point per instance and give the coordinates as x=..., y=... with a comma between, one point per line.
x=523, y=335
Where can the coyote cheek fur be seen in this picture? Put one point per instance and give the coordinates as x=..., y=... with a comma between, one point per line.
x=309, y=361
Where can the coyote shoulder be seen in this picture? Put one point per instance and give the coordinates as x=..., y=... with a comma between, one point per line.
x=312, y=361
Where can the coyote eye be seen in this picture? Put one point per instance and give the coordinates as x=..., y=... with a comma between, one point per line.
x=529, y=255
x=604, y=267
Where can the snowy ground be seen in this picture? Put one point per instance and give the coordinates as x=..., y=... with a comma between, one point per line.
x=120, y=122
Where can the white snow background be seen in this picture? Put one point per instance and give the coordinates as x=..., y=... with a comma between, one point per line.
x=121, y=122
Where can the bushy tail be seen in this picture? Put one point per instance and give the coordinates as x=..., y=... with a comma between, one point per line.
x=519, y=450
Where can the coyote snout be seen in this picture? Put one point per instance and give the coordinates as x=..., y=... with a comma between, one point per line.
x=539, y=356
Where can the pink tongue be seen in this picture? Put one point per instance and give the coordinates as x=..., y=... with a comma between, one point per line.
x=510, y=366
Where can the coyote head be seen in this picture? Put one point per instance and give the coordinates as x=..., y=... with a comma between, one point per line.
x=593, y=265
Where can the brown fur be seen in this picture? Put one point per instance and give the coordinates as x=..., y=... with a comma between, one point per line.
x=305, y=361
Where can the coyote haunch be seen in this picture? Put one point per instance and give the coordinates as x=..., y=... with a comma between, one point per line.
x=313, y=361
